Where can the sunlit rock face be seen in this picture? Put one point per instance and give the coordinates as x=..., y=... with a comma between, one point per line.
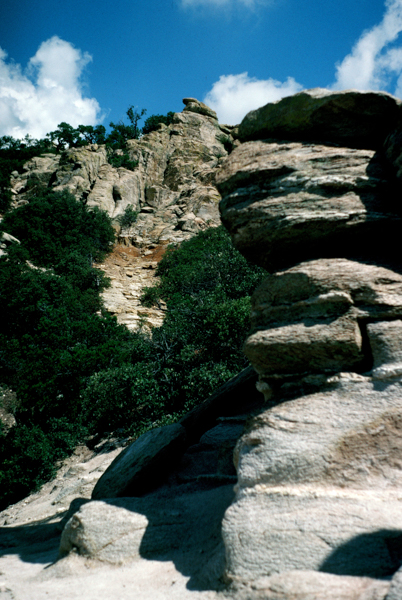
x=313, y=195
x=171, y=187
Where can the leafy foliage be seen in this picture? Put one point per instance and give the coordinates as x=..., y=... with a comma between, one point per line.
x=13, y=155
x=152, y=122
x=128, y=217
x=121, y=132
x=122, y=159
x=54, y=224
x=75, y=371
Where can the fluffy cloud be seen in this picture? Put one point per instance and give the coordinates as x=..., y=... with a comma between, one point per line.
x=48, y=92
x=219, y=3
x=233, y=96
x=372, y=64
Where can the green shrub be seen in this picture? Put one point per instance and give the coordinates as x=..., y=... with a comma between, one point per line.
x=127, y=394
x=54, y=224
x=128, y=217
x=29, y=454
x=152, y=122
x=122, y=160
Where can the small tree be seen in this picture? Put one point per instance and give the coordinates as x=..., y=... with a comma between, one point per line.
x=121, y=132
x=152, y=123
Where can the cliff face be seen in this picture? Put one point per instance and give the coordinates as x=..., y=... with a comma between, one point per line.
x=316, y=200
x=172, y=188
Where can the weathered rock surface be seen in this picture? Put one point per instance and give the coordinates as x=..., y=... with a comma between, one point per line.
x=37, y=171
x=78, y=170
x=172, y=188
x=308, y=470
x=348, y=435
x=312, y=585
x=282, y=200
x=319, y=472
x=318, y=499
x=395, y=590
x=130, y=270
x=121, y=531
x=313, y=318
x=349, y=118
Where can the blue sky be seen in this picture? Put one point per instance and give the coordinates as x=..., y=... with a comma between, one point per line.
x=86, y=62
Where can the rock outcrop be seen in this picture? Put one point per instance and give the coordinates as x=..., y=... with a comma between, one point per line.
x=319, y=472
x=172, y=189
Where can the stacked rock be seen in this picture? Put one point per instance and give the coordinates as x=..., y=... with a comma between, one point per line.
x=312, y=194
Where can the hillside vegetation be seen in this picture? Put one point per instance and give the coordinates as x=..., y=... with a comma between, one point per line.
x=76, y=372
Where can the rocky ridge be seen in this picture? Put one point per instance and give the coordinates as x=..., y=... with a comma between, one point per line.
x=315, y=512
x=172, y=189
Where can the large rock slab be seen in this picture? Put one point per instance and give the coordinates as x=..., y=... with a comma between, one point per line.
x=273, y=530
x=287, y=202
x=348, y=435
x=142, y=464
x=116, y=189
x=327, y=345
x=313, y=318
x=319, y=484
x=349, y=118
x=78, y=169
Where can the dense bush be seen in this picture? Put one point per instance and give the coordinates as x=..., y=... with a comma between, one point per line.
x=75, y=371
x=13, y=155
x=128, y=217
x=54, y=224
x=152, y=122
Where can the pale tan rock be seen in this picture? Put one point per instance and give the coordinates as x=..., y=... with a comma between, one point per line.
x=310, y=318
x=104, y=532
x=287, y=202
x=329, y=345
x=313, y=585
x=395, y=590
x=78, y=169
x=351, y=118
x=194, y=105
x=338, y=531
x=347, y=434
x=386, y=345
x=319, y=484
x=37, y=171
x=328, y=287
x=115, y=190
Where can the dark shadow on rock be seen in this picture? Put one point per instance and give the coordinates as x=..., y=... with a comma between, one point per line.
x=35, y=543
x=187, y=531
x=377, y=554
x=38, y=541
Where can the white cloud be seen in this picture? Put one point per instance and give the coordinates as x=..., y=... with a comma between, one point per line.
x=372, y=65
x=219, y=3
x=233, y=96
x=49, y=92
